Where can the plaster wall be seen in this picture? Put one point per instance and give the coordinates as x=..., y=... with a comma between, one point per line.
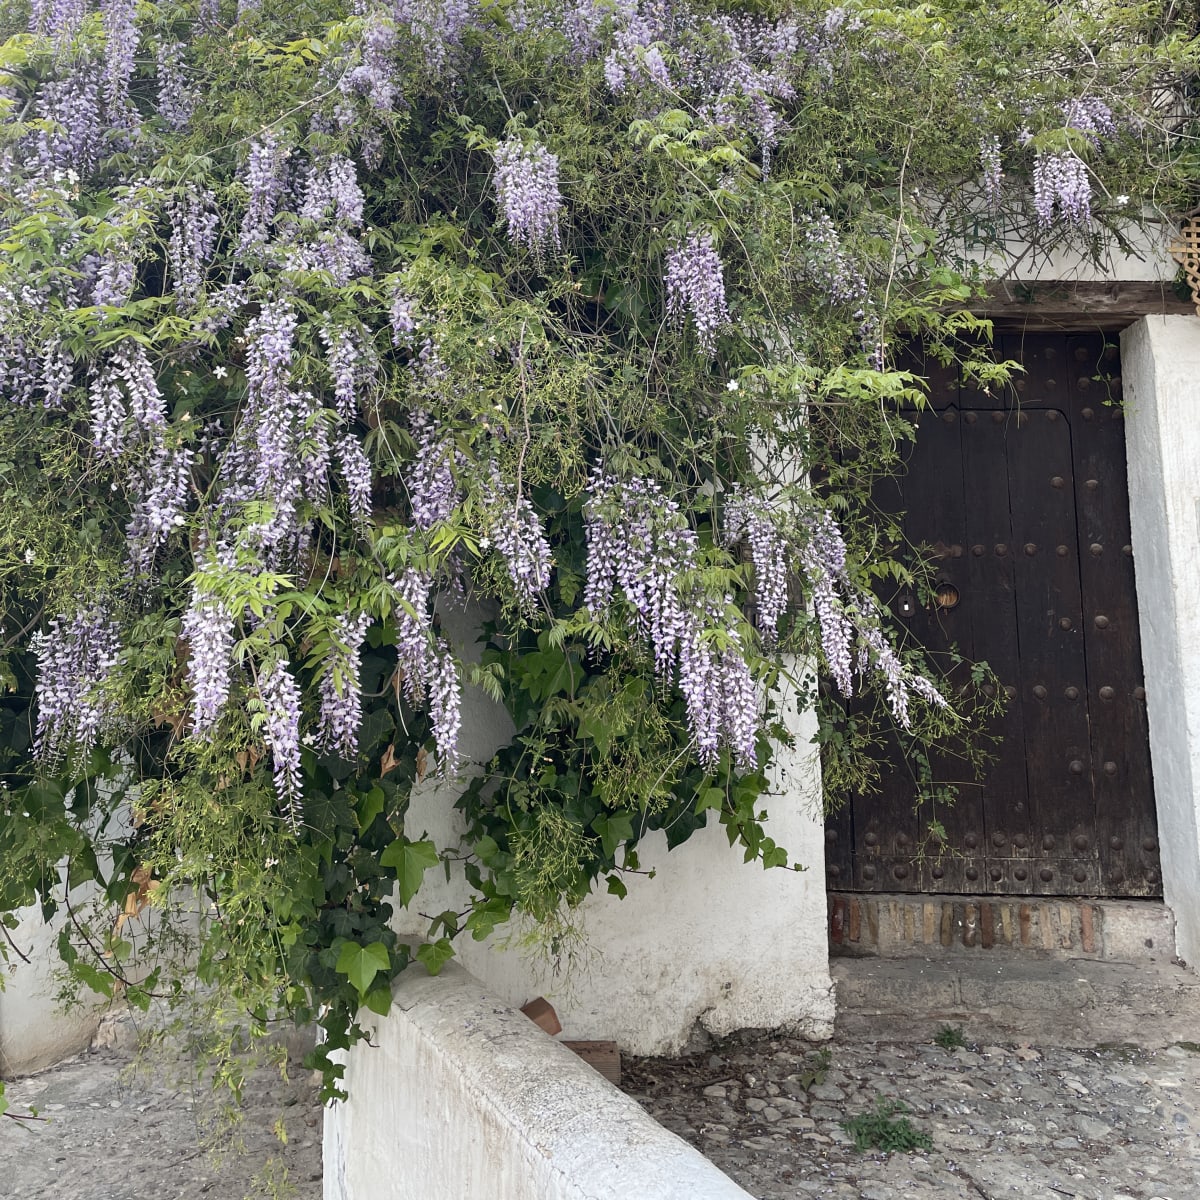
x=34, y=1031
x=1142, y=257
x=1160, y=367
x=459, y=1097
x=709, y=941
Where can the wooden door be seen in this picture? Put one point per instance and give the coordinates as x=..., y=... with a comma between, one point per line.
x=1022, y=501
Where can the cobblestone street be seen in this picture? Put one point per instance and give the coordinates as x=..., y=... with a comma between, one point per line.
x=1114, y=1123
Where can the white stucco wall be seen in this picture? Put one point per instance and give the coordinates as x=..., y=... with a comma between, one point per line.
x=1160, y=366
x=34, y=1031
x=459, y=1097
x=709, y=940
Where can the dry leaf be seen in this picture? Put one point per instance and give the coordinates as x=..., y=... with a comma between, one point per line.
x=137, y=899
x=422, y=763
x=389, y=762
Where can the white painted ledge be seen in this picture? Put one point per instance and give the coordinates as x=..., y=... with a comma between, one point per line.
x=459, y=1097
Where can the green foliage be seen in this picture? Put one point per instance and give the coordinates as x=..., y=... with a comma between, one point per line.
x=886, y=1128
x=950, y=1037
x=816, y=1071
x=547, y=364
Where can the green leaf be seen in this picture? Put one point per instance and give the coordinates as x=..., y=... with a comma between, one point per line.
x=435, y=955
x=410, y=860
x=486, y=916
x=616, y=887
x=98, y=981
x=613, y=830
x=711, y=798
x=369, y=807
x=379, y=1000
x=360, y=964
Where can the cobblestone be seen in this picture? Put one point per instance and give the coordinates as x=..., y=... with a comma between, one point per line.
x=1007, y=1121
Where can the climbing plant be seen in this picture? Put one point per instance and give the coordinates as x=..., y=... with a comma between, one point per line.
x=319, y=323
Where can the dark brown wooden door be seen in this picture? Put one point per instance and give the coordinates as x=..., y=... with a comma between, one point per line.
x=1022, y=499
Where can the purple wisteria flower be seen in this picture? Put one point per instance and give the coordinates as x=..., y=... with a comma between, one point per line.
x=176, y=100
x=162, y=491
x=120, y=45
x=515, y=530
x=527, y=193
x=427, y=668
x=433, y=491
x=332, y=195
x=989, y=167
x=823, y=560
x=356, y=474
x=194, y=221
x=281, y=732
x=340, y=688
x=852, y=638
x=1061, y=187
x=375, y=75
x=695, y=284
x=75, y=655
x=642, y=550
x=445, y=705
x=208, y=628
x=266, y=180
x=74, y=133
x=749, y=517
x=1091, y=116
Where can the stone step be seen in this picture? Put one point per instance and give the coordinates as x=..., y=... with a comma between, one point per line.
x=1080, y=1002
x=901, y=926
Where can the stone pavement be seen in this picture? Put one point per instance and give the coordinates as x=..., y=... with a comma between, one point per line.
x=107, y=1132
x=1076, y=1082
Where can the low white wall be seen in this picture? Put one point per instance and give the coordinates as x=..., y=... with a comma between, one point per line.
x=1160, y=367
x=34, y=1031
x=458, y=1097
x=709, y=941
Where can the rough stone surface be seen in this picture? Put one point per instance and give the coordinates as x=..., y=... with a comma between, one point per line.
x=106, y=1131
x=1006, y=1121
x=1029, y=1108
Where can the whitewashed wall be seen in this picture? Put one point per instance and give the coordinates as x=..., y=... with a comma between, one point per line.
x=710, y=941
x=1160, y=367
x=34, y=1030
x=459, y=1097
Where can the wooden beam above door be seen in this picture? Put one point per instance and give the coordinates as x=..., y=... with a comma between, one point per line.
x=1057, y=305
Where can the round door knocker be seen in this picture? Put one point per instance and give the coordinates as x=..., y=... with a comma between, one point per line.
x=947, y=596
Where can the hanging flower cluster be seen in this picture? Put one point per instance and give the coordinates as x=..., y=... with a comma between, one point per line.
x=1061, y=187
x=749, y=517
x=427, y=669
x=280, y=696
x=851, y=636
x=642, y=551
x=75, y=656
x=696, y=286
x=340, y=689
x=527, y=194
x=989, y=167
x=514, y=528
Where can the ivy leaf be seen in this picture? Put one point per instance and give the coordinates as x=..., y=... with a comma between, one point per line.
x=360, y=964
x=411, y=860
x=613, y=830
x=435, y=955
x=379, y=1000
x=486, y=916
x=711, y=798
x=616, y=887
x=369, y=807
